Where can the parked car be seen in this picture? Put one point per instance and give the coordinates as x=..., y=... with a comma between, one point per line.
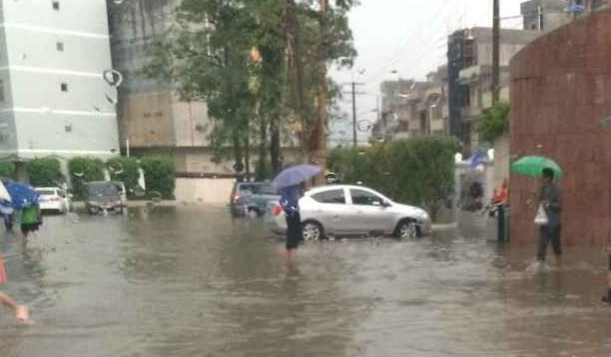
x=101, y=196
x=252, y=197
x=54, y=199
x=122, y=191
x=331, y=178
x=344, y=210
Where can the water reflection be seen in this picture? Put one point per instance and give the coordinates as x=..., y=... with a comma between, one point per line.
x=190, y=281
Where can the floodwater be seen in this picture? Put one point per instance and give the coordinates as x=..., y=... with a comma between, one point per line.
x=192, y=282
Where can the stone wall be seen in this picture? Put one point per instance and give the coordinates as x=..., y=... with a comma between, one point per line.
x=561, y=90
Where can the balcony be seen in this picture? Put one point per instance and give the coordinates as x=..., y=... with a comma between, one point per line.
x=471, y=113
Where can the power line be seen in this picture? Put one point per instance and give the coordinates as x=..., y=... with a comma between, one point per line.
x=406, y=45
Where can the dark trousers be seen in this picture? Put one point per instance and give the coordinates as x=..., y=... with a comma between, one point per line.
x=293, y=230
x=549, y=234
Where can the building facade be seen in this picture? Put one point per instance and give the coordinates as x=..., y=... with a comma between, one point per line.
x=470, y=77
x=561, y=109
x=54, y=100
x=413, y=109
x=548, y=15
x=152, y=117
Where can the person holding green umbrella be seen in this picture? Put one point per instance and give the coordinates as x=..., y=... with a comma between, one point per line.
x=550, y=199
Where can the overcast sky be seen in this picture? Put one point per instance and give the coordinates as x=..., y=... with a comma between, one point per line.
x=410, y=37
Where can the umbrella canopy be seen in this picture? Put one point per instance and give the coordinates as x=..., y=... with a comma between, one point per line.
x=295, y=175
x=534, y=165
x=4, y=196
x=21, y=195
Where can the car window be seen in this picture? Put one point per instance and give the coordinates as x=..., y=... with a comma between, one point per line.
x=46, y=192
x=258, y=189
x=366, y=198
x=331, y=196
x=251, y=188
x=102, y=189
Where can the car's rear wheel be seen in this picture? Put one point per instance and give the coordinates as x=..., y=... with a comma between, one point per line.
x=408, y=229
x=312, y=231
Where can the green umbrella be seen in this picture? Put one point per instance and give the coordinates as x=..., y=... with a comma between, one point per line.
x=534, y=165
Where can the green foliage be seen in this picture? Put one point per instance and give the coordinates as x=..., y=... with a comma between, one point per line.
x=7, y=170
x=124, y=169
x=83, y=170
x=44, y=172
x=263, y=170
x=160, y=175
x=214, y=64
x=418, y=172
x=495, y=122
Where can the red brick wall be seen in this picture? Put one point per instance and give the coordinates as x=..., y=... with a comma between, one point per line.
x=560, y=90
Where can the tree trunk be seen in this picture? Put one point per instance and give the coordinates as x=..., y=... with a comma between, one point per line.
x=275, y=145
x=262, y=171
x=318, y=150
x=297, y=90
x=238, y=157
x=247, y=157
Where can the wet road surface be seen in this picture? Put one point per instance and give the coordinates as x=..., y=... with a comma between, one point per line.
x=192, y=282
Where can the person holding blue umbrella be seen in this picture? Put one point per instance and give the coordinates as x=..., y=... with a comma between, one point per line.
x=289, y=184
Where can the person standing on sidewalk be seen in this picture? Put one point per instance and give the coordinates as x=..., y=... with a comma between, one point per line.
x=550, y=198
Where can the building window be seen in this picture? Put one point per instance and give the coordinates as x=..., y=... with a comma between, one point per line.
x=56, y=5
x=60, y=46
x=64, y=87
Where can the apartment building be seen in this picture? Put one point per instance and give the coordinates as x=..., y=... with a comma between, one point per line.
x=54, y=100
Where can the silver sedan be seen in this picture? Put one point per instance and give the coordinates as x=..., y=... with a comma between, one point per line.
x=344, y=210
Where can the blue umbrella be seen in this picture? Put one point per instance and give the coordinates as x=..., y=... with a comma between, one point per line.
x=295, y=175
x=22, y=195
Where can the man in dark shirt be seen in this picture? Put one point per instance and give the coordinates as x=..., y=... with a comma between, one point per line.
x=550, y=198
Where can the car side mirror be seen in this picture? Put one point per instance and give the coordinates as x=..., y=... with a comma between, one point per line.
x=386, y=204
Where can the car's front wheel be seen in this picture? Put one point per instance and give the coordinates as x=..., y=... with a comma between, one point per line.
x=312, y=231
x=408, y=229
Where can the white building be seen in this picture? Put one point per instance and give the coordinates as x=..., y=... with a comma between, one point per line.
x=53, y=96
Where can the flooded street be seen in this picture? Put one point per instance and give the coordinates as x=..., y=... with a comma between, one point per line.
x=191, y=282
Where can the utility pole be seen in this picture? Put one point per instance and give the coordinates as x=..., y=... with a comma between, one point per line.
x=354, y=93
x=496, y=51
x=354, y=131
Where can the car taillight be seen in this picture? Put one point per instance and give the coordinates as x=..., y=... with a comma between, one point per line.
x=55, y=199
x=277, y=210
x=236, y=198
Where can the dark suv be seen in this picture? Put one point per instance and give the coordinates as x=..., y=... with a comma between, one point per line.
x=251, y=197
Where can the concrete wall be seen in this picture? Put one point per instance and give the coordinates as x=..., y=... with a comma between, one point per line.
x=40, y=118
x=151, y=114
x=502, y=158
x=561, y=90
x=204, y=191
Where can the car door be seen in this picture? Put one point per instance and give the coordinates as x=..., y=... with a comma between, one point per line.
x=370, y=212
x=332, y=211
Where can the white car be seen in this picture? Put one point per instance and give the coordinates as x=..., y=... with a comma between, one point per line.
x=54, y=199
x=353, y=210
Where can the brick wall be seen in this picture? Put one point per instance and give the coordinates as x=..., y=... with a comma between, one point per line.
x=560, y=90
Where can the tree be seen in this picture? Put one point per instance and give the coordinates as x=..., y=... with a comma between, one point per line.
x=248, y=60
x=206, y=56
x=418, y=172
x=495, y=122
x=44, y=172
